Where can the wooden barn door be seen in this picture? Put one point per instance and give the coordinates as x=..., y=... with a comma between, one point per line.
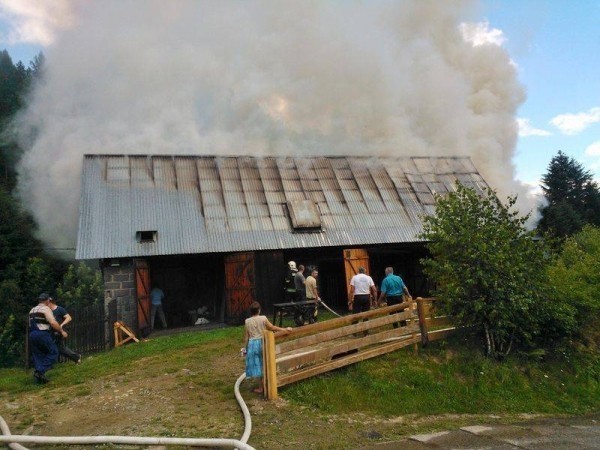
x=142, y=290
x=239, y=285
x=353, y=259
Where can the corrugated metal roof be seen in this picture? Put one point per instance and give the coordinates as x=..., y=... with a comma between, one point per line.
x=206, y=204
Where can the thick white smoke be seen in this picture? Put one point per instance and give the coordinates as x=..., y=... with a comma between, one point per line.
x=264, y=78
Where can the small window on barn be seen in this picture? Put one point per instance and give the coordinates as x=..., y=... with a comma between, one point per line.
x=146, y=236
x=304, y=215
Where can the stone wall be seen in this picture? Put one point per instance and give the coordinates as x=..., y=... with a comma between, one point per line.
x=119, y=284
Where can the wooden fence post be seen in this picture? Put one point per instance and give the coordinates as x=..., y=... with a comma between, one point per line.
x=269, y=365
x=422, y=321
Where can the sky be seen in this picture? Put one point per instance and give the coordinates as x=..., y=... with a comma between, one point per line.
x=556, y=46
x=382, y=73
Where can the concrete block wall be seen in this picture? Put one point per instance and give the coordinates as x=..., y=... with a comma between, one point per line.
x=119, y=284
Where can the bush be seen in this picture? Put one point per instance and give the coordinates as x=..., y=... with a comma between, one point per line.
x=489, y=271
x=575, y=278
x=81, y=286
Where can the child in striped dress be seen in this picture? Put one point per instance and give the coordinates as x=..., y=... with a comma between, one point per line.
x=255, y=326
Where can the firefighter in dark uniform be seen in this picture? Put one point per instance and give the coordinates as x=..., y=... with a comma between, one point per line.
x=43, y=348
x=289, y=287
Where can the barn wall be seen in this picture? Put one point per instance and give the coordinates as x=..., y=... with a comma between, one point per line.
x=269, y=270
x=119, y=284
x=196, y=280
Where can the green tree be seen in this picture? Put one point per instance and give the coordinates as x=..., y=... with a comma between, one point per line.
x=572, y=197
x=25, y=268
x=81, y=286
x=39, y=278
x=488, y=271
x=575, y=277
x=15, y=83
x=17, y=243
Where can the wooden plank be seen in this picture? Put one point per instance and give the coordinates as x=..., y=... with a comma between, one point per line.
x=342, y=331
x=336, y=323
x=422, y=321
x=341, y=362
x=239, y=284
x=443, y=321
x=353, y=259
x=318, y=355
x=269, y=367
x=120, y=330
x=441, y=334
x=142, y=291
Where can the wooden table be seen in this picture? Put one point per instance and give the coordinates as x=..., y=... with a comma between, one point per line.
x=279, y=309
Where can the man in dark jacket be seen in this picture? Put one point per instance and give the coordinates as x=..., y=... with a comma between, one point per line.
x=63, y=318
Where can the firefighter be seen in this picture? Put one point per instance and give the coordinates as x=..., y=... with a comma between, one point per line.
x=289, y=286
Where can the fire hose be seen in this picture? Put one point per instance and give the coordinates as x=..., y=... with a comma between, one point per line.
x=14, y=440
x=328, y=308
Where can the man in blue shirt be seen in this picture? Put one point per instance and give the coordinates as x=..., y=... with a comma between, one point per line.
x=156, y=297
x=392, y=289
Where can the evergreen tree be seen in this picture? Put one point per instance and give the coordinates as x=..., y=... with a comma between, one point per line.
x=572, y=197
x=15, y=82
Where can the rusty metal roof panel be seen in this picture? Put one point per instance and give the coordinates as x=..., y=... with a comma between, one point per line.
x=204, y=204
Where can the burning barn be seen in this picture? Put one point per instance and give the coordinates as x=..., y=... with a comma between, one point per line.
x=216, y=232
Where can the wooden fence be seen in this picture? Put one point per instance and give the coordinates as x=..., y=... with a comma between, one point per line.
x=321, y=347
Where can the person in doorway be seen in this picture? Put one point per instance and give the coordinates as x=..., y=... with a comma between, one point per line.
x=299, y=281
x=63, y=318
x=43, y=347
x=289, y=286
x=392, y=288
x=253, y=342
x=156, y=297
x=362, y=290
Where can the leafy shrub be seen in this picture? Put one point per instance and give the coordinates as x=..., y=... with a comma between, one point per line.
x=489, y=271
x=81, y=286
x=575, y=278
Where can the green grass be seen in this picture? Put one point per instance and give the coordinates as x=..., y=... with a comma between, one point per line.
x=454, y=378
x=448, y=377
x=170, y=349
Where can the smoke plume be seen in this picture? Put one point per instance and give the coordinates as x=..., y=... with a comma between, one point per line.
x=264, y=78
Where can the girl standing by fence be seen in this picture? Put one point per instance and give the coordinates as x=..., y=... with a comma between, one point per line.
x=253, y=343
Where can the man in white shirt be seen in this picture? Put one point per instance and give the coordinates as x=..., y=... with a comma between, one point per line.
x=362, y=289
x=42, y=345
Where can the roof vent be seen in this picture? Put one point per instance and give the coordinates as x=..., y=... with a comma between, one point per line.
x=304, y=215
x=146, y=236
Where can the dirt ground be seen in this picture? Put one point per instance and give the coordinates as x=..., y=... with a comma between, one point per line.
x=192, y=396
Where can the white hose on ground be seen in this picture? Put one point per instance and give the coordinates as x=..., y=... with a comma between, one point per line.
x=127, y=440
x=244, y=408
x=6, y=432
x=13, y=439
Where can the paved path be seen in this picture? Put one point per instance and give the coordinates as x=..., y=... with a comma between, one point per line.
x=551, y=434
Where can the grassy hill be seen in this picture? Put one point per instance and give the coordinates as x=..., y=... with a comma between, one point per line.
x=182, y=385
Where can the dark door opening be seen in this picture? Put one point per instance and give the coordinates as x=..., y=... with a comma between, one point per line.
x=193, y=287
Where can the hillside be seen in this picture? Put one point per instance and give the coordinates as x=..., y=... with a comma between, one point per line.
x=182, y=385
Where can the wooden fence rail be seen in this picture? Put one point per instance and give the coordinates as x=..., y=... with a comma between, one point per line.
x=318, y=348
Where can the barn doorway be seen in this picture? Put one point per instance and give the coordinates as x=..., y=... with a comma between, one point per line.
x=192, y=286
